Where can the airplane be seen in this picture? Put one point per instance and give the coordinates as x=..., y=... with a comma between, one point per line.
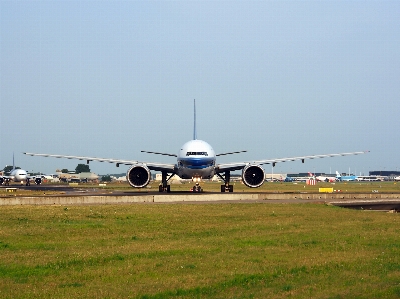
x=53, y=178
x=346, y=178
x=323, y=178
x=196, y=160
x=18, y=175
x=327, y=179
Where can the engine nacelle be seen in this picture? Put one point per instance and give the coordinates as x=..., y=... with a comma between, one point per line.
x=138, y=176
x=253, y=176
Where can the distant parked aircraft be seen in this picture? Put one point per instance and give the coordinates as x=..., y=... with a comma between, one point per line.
x=19, y=176
x=346, y=178
x=53, y=178
x=324, y=178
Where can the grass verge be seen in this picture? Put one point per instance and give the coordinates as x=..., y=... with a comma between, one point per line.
x=198, y=251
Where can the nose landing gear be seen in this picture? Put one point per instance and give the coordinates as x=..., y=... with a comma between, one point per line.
x=197, y=188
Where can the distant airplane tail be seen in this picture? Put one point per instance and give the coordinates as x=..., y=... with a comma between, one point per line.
x=338, y=174
x=194, y=125
x=13, y=163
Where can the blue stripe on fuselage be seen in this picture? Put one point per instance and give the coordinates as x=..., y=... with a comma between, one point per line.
x=197, y=163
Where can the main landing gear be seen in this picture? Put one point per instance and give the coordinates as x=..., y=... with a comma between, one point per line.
x=6, y=182
x=226, y=187
x=164, y=187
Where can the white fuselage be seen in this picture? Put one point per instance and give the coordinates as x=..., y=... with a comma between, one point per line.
x=18, y=175
x=322, y=178
x=196, y=160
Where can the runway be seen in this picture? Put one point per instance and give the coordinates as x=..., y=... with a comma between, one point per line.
x=66, y=195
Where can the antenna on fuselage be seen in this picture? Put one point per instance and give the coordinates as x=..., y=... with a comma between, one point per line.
x=194, y=125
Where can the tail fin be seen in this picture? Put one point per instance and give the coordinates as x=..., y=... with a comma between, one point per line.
x=338, y=174
x=13, y=163
x=194, y=126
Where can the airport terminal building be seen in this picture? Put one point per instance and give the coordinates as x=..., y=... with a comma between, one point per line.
x=387, y=173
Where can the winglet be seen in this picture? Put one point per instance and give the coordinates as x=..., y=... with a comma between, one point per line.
x=194, y=125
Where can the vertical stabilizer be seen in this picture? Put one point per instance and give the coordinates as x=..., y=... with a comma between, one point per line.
x=194, y=125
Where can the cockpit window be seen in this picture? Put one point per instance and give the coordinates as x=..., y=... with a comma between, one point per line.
x=196, y=154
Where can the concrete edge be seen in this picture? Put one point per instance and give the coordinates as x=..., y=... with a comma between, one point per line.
x=169, y=198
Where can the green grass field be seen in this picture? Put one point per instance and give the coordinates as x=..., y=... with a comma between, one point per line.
x=198, y=251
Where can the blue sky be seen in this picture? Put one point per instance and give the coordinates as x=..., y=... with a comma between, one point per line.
x=275, y=78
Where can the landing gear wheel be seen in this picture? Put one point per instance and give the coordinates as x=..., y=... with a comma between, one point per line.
x=226, y=188
x=166, y=188
x=197, y=189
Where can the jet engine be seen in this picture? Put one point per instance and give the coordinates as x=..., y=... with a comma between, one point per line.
x=253, y=176
x=138, y=176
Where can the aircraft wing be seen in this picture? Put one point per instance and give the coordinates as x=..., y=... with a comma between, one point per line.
x=170, y=168
x=239, y=165
x=150, y=165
